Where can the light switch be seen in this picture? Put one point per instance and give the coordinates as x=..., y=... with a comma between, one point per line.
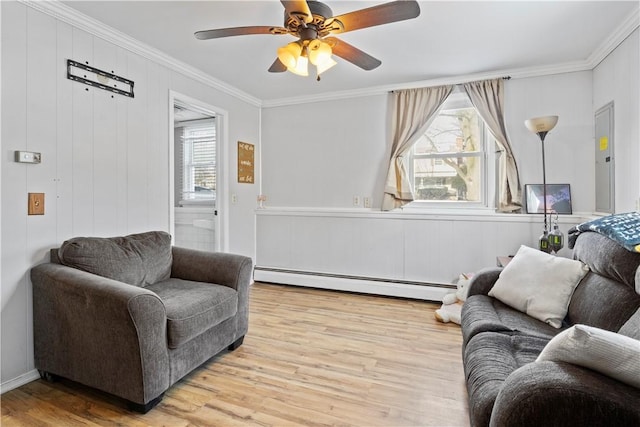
x=36, y=204
x=27, y=157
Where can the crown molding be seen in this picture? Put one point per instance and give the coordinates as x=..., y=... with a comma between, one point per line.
x=516, y=73
x=71, y=16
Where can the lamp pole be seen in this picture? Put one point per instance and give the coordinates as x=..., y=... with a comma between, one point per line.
x=541, y=126
x=544, y=239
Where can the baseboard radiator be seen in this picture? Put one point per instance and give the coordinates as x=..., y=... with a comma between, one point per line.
x=361, y=284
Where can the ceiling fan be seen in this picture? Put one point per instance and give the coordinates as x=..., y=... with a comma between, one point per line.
x=313, y=23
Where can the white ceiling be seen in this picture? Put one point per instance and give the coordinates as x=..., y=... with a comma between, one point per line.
x=448, y=39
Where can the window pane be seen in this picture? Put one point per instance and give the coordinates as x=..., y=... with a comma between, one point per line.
x=204, y=180
x=199, y=161
x=452, y=131
x=448, y=178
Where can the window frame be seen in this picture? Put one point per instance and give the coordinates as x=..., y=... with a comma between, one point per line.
x=187, y=165
x=487, y=156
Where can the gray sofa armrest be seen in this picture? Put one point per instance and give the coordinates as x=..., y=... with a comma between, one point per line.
x=560, y=394
x=483, y=281
x=100, y=332
x=234, y=271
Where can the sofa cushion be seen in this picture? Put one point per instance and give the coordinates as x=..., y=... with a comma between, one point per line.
x=539, y=284
x=607, y=258
x=194, y=307
x=137, y=259
x=489, y=358
x=602, y=302
x=614, y=355
x=481, y=313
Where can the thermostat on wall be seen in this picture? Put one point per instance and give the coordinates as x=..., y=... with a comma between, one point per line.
x=27, y=157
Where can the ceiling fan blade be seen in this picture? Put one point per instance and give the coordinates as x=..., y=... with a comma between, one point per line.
x=277, y=67
x=298, y=8
x=377, y=15
x=237, y=31
x=352, y=54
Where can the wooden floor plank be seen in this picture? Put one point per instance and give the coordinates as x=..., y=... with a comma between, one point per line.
x=311, y=358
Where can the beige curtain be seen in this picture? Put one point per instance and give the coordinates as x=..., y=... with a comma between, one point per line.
x=412, y=113
x=488, y=98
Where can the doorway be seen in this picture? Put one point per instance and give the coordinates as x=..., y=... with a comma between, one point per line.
x=196, y=145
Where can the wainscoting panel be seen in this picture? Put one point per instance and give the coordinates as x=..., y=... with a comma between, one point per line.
x=399, y=254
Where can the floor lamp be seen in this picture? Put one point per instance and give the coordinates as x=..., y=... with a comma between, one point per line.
x=541, y=126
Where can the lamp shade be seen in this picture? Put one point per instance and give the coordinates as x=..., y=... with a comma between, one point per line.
x=289, y=54
x=324, y=66
x=319, y=52
x=301, y=67
x=541, y=124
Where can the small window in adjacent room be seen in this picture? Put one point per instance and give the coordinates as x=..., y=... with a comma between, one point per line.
x=198, y=154
x=449, y=162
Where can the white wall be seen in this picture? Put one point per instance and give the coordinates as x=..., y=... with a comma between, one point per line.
x=105, y=157
x=334, y=150
x=616, y=79
x=322, y=154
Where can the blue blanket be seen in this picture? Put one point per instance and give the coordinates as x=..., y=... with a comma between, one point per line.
x=624, y=228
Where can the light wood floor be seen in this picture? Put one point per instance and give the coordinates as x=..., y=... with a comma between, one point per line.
x=311, y=358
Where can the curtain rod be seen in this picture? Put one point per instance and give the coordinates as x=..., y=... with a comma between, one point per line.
x=461, y=83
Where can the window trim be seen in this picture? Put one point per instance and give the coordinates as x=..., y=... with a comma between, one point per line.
x=187, y=166
x=488, y=157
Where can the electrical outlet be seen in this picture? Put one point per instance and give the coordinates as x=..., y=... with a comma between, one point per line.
x=366, y=201
x=234, y=199
x=356, y=201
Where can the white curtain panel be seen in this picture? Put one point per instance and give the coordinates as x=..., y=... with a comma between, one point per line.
x=413, y=111
x=487, y=97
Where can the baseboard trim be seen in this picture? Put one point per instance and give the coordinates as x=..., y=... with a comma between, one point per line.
x=368, y=285
x=21, y=380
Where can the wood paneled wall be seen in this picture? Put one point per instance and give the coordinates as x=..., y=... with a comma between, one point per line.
x=105, y=157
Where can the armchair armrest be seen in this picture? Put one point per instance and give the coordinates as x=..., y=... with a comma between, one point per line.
x=558, y=393
x=234, y=271
x=220, y=268
x=100, y=332
x=483, y=281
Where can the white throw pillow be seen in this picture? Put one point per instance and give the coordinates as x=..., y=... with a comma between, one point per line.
x=609, y=353
x=539, y=284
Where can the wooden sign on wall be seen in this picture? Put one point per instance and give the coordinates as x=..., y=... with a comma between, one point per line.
x=245, y=162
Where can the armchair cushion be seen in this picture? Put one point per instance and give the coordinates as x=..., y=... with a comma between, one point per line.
x=137, y=259
x=193, y=307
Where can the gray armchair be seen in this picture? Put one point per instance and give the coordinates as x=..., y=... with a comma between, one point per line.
x=132, y=315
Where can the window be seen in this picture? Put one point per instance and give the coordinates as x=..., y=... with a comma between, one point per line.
x=198, y=146
x=449, y=162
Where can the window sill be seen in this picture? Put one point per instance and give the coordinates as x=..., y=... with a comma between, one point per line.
x=479, y=214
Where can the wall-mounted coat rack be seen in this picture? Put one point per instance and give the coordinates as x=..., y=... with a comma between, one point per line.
x=97, y=78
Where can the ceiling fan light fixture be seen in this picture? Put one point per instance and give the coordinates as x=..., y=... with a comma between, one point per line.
x=290, y=54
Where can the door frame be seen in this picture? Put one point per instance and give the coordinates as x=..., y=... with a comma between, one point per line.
x=222, y=162
x=609, y=109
